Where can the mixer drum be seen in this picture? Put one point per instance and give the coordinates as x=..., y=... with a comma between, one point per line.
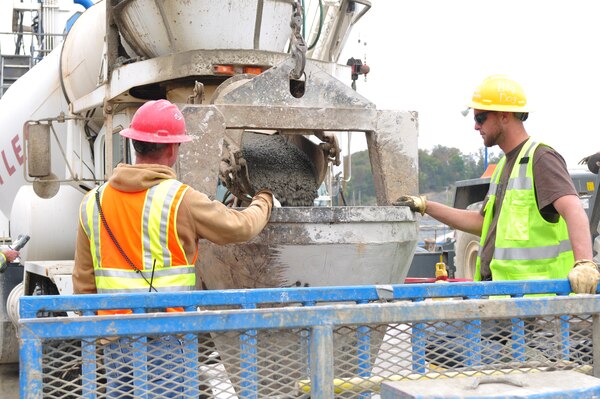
x=158, y=28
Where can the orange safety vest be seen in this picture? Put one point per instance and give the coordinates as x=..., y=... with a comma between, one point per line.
x=144, y=225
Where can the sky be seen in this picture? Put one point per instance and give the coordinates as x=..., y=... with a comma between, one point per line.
x=429, y=55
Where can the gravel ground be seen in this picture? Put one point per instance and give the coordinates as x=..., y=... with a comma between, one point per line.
x=9, y=381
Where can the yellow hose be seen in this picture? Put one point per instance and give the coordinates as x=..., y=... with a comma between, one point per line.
x=373, y=384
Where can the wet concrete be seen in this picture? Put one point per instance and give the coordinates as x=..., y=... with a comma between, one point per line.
x=9, y=381
x=280, y=166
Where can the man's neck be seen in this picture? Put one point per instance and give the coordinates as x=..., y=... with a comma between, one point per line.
x=513, y=140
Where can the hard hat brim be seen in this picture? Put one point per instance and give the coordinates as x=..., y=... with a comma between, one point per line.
x=134, y=134
x=497, y=107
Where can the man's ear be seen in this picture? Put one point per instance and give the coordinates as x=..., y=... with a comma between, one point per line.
x=505, y=116
x=172, y=152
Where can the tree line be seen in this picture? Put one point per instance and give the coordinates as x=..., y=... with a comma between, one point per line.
x=439, y=169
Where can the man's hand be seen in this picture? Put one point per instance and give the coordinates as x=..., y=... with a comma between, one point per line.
x=584, y=277
x=415, y=203
x=7, y=256
x=10, y=254
x=592, y=162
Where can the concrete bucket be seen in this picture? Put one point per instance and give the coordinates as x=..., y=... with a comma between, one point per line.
x=302, y=245
x=309, y=246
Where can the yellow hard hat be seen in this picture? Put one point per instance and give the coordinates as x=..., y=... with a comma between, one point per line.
x=499, y=93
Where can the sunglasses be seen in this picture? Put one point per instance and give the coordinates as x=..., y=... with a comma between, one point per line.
x=481, y=117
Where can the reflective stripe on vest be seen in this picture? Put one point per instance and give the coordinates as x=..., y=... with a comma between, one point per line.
x=144, y=224
x=526, y=245
x=551, y=251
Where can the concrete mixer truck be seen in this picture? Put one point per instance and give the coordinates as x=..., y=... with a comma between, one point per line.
x=258, y=84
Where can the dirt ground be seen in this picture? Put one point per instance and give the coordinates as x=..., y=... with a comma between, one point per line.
x=9, y=381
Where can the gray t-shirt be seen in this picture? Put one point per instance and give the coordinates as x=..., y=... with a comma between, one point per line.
x=551, y=180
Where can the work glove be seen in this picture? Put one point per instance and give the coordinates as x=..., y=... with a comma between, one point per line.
x=584, y=277
x=276, y=203
x=415, y=203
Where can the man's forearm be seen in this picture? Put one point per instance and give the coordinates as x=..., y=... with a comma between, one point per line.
x=461, y=219
x=581, y=240
x=569, y=207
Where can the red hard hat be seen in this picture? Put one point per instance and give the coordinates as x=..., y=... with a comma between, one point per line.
x=157, y=121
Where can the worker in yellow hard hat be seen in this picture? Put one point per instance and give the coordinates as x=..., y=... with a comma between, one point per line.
x=532, y=223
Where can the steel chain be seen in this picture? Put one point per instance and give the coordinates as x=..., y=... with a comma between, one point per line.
x=298, y=44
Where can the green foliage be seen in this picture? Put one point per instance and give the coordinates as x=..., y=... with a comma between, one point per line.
x=439, y=169
x=360, y=190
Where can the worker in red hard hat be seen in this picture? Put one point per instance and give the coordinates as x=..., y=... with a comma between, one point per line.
x=139, y=231
x=157, y=122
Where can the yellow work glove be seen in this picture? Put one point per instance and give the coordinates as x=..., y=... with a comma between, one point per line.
x=415, y=203
x=584, y=277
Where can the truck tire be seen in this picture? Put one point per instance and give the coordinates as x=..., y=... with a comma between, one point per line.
x=12, y=303
x=466, y=249
x=465, y=258
x=9, y=342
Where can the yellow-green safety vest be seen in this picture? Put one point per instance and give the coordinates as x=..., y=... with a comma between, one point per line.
x=527, y=247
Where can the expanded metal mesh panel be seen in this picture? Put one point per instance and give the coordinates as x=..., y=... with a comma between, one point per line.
x=277, y=362
x=62, y=369
x=281, y=360
x=470, y=348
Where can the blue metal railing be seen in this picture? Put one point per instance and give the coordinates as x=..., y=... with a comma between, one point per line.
x=360, y=305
